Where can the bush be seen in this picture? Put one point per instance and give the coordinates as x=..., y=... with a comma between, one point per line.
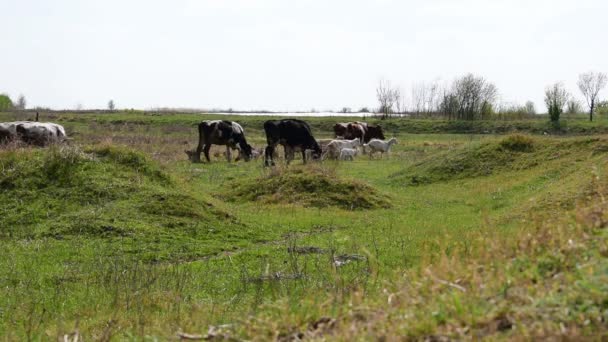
x=5, y=103
x=517, y=142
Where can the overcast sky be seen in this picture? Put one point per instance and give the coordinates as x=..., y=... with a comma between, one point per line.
x=289, y=55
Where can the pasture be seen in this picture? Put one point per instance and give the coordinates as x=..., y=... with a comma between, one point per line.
x=458, y=234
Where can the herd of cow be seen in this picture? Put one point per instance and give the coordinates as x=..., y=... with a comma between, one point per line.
x=293, y=134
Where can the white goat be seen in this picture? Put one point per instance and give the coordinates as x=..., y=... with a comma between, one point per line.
x=377, y=145
x=335, y=146
x=348, y=153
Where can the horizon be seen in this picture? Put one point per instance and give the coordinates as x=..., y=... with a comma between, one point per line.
x=268, y=55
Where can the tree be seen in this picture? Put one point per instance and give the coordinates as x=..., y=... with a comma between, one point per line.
x=21, y=103
x=602, y=108
x=387, y=97
x=573, y=107
x=530, y=108
x=470, y=97
x=111, y=105
x=556, y=97
x=5, y=103
x=426, y=97
x=590, y=84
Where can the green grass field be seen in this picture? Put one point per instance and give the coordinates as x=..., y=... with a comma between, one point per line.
x=457, y=234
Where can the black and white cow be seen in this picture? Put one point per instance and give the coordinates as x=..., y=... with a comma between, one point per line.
x=33, y=133
x=294, y=135
x=220, y=132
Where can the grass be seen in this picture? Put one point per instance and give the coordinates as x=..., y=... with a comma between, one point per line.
x=511, y=153
x=120, y=237
x=313, y=186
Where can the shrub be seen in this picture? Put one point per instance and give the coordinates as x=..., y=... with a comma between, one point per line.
x=5, y=103
x=517, y=142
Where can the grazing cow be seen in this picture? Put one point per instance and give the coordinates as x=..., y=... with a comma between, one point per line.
x=376, y=145
x=220, y=132
x=294, y=135
x=357, y=129
x=33, y=133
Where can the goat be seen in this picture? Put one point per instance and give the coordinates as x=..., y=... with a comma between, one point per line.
x=377, y=145
x=348, y=153
x=335, y=146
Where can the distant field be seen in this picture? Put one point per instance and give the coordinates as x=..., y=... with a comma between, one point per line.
x=462, y=232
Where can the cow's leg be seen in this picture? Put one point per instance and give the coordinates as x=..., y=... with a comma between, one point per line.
x=206, y=151
x=228, y=154
x=268, y=155
x=289, y=154
x=304, y=155
x=199, y=148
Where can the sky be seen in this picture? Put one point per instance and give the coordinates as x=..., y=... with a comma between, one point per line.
x=289, y=55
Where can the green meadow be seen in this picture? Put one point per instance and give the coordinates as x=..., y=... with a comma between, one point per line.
x=467, y=230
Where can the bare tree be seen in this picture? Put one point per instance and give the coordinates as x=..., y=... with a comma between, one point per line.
x=401, y=103
x=387, y=97
x=111, y=105
x=471, y=97
x=21, y=103
x=590, y=84
x=426, y=97
x=556, y=97
x=530, y=108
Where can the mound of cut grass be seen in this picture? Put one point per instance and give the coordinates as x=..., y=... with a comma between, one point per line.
x=512, y=153
x=103, y=192
x=309, y=186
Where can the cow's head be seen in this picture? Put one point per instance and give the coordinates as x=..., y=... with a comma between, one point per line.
x=317, y=153
x=340, y=129
x=246, y=151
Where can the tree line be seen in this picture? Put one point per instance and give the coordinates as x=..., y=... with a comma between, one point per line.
x=472, y=97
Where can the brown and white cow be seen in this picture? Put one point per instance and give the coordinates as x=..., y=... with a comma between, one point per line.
x=358, y=129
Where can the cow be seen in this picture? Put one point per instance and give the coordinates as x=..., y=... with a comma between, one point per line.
x=373, y=132
x=32, y=133
x=358, y=129
x=340, y=129
x=294, y=135
x=220, y=132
